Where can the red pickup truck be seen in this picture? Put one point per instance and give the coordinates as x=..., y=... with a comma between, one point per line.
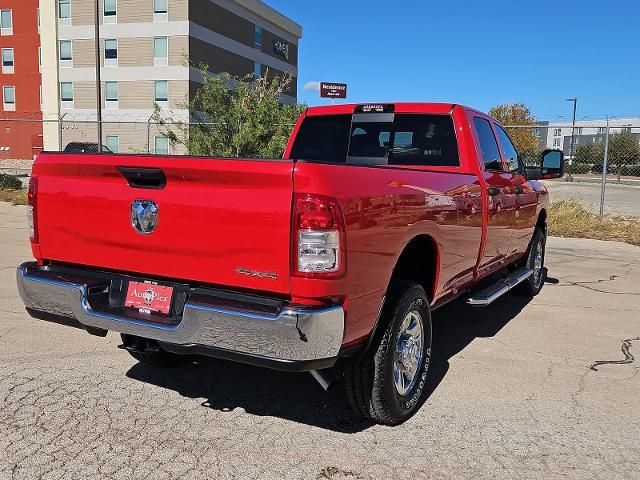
x=329, y=260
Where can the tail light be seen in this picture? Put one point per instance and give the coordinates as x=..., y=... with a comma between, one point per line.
x=32, y=209
x=318, y=246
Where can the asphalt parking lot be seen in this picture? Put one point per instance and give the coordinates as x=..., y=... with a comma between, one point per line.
x=513, y=394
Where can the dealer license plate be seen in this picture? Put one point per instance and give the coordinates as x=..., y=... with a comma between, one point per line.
x=149, y=297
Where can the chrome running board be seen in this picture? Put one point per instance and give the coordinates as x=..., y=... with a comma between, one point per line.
x=496, y=290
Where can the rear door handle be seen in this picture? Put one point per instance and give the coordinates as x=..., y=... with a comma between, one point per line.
x=493, y=191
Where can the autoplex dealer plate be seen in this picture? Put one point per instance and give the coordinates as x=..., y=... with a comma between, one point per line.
x=149, y=297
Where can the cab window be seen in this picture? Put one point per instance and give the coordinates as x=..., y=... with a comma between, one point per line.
x=510, y=153
x=488, y=144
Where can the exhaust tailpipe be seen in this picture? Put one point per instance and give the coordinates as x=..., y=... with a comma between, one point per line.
x=325, y=378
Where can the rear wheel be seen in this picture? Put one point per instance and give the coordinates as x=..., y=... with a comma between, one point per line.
x=387, y=383
x=535, y=261
x=152, y=354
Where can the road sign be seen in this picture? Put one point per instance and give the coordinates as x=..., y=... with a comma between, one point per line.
x=333, y=90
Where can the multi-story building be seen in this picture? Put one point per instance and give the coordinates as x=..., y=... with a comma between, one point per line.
x=558, y=135
x=148, y=53
x=20, y=79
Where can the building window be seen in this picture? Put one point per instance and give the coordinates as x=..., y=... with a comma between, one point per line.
x=64, y=11
x=40, y=59
x=162, y=92
x=38, y=18
x=161, y=145
x=536, y=132
x=557, y=132
x=9, y=98
x=66, y=53
x=111, y=95
x=113, y=143
x=556, y=142
x=160, y=51
x=111, y=52
x=578, y=131
x=258, y=37
x=66, y=94
x=7, y=60
x=601, y=130
x=41, y=97
x=110, y=11
x=6, y=22
x=160, y=10
x=257, y=69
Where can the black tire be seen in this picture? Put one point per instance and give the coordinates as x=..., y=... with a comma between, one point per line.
x=369, y=381
x=156, y=357
x=532, y=286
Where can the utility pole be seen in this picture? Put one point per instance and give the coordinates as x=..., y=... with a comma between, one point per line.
x=605, y=162
x=573, y=133
x=98, y=90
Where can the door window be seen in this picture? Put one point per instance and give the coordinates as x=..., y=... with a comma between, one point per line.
x=510, y=153
x=488, y=145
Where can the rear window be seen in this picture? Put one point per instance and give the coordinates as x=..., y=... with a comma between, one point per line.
x=369, y=139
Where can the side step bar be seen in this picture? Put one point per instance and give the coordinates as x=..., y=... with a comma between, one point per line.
x=488, y=295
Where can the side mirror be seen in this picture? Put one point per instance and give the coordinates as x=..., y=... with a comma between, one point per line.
x=552, y=164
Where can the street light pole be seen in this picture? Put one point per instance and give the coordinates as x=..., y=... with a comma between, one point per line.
x=573, y=133
x=98, y=90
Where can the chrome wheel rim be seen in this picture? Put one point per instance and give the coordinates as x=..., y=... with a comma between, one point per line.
x=537, y=264
x=408, y=353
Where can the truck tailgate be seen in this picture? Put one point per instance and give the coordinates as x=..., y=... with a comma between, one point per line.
x=220, y=221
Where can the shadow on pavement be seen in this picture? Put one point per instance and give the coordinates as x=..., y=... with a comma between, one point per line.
x=225, y=386
x=456, y=325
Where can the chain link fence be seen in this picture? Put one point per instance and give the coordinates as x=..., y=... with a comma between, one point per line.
x=602, y=169
x=602, y=162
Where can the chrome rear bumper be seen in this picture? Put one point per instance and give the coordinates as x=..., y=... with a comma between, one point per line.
x=292, y=339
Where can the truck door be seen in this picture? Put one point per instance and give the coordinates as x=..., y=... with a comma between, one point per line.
x=526, y=197
x=500, y=198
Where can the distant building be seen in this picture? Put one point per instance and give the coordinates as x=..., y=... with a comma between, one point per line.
x=20, y=79
x=558, y=135
x=147, y=48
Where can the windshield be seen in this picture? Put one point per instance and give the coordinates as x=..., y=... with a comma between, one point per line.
x=400, y=139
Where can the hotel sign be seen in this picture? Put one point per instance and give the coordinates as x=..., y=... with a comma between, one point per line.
x=281, y=48
x=333, y=90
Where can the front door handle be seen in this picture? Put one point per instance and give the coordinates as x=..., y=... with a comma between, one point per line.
x=493, y=191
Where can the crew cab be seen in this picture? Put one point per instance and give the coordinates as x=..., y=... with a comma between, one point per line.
x=328, y=260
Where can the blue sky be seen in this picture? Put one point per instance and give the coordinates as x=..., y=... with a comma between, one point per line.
x=476, y=52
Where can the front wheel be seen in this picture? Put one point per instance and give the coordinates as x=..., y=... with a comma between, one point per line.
x=535, y=261
x=387, y=384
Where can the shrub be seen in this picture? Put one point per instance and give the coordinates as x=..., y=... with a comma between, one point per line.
x=10, y=182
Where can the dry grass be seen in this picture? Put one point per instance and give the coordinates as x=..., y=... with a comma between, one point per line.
x=17, y=197
x=570, y=219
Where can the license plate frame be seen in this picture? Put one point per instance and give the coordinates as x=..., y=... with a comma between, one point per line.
x=149, y=297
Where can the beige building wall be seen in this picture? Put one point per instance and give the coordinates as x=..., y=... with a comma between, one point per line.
x=132, y=52
x=134, y=95
x=128, y=11
x=49, y=68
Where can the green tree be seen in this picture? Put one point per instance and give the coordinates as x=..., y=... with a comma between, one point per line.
x=518, y=114
x=624, y=151
x=248, y=120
